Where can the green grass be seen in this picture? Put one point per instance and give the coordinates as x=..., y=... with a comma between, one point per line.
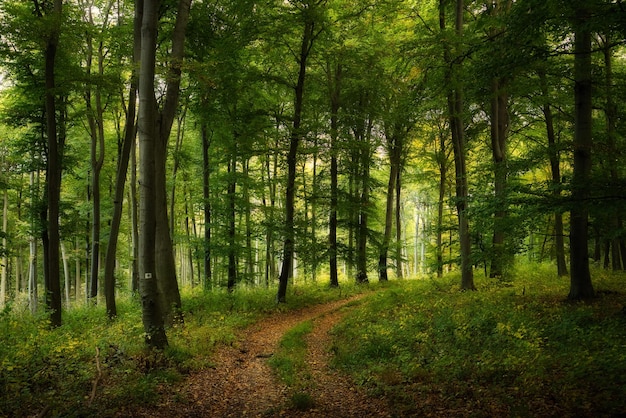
x=54, y=370
x=514, y=348
x=289, y=363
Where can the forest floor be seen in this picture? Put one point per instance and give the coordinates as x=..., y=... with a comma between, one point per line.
x=242, y=384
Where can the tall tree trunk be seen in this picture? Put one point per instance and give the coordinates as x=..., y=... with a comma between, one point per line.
x=151, y=310
x=180, y=134
x=499, y=134
x=455, y=112
x=442, y=162
x=207, y=207
x=5, y=253
x=392, y=149
x=232, y=189
x=555, y=169
x=364, y=135
x=166, y=265
x=134, y=216
x=122, y=168
x=53, y=173
x=334, y=83
x=580, y=276
x=290, y=190
x=611, y=116
x=399, y=241
x=250, y=273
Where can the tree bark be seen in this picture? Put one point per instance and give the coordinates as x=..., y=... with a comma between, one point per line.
x=5, y=257
x=334, y=83
x=166, y=265
x=207, y=207
x=232, y=188
x=580, y=276
x=555, y=169
x=364, y=136
x=53, y=173
x=128, y=143
x=455, y=112
x=399, y=226
x=290, y=189
x=499, y=134
x=394, y=153
x=151, y=310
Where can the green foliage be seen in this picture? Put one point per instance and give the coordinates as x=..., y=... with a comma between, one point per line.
x=507, y=349
x=42, y=368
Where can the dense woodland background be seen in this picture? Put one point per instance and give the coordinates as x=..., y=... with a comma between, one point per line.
x=249, y=143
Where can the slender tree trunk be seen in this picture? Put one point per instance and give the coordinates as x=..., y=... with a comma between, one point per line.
x=290, y=190
x=134, y=216
x=393, y=150
x=399, y=241
x=5, y=256
x=611, y=116
x=180, y=134
x=334, y=82
x=151, y=309
x=207, y=207
x=120, y=179
x=53, y=174
x=250, y=273
x=580, y=276
x=232, y=189
x=363, y=212
x=555, y=168
x=442, y=162
x=166, y=265
x=66, y=275
x=455, y=111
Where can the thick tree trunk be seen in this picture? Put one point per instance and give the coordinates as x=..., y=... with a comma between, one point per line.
x=151, y=309
x=389, y=212
x=499, y=134
x=580, y=276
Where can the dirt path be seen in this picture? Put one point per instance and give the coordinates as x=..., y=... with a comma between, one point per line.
x=241, y=383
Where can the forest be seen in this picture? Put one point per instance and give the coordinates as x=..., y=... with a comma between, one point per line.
x=159, y=153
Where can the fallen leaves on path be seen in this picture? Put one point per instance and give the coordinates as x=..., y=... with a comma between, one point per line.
x=242, y=385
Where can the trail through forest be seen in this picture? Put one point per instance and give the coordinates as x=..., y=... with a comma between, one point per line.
x=242, y=384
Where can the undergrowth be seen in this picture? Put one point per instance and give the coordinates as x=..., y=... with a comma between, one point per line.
x=512, y=348
x=289, y=364
x=91, y=366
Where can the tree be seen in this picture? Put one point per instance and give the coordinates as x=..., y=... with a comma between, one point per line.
x=455, y=114
x=55, y=142
x=165, y=264
x=128, y=144
x=148, y=136
x=580, y=276
x=309, y=11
